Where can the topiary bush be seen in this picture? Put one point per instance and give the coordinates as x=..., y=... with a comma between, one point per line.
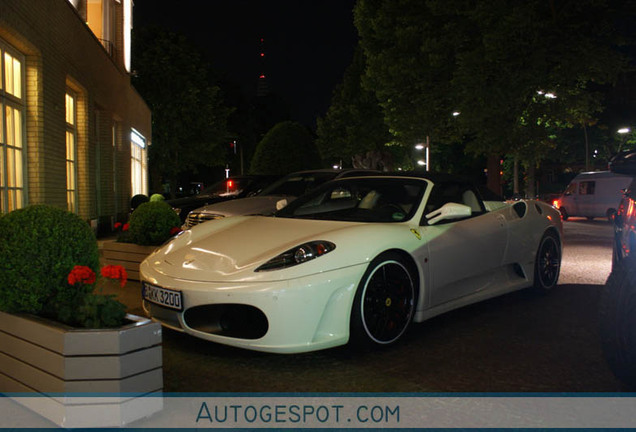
x=285, y=148
x=153, y=223
x=138, y=200
x=40, y=247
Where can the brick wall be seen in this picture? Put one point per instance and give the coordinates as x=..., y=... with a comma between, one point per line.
x=61, y=52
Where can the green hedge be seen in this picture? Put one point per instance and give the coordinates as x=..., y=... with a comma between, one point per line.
x=152, y=223
x=39, y=246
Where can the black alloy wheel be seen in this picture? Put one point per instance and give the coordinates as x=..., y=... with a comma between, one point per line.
x=547, y=263
x=384, y=303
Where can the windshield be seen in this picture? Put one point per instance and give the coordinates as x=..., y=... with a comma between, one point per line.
x=360, y=200
x=298, y=184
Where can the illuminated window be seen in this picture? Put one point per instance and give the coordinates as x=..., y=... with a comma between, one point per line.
x=138, y=166
x=95, y=17
x=12, y=75
x=71, y=151
x=12, y=140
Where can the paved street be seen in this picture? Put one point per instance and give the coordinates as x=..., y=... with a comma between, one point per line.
x=516, y=343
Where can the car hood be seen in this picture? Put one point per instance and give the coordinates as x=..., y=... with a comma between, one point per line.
x=190, y=199
x=231, y=249
x=265, y=204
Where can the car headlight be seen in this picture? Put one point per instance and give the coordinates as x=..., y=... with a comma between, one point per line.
x=298, y=255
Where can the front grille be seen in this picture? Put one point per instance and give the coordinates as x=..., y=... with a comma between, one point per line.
x=197, y=218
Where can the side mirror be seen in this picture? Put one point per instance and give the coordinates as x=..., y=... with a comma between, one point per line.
x=448, y=211
x=280, y=204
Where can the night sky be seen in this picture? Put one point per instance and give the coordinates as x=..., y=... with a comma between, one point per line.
x=308, y=43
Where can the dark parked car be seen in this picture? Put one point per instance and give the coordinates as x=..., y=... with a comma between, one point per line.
x=284, y=190
x=226, y=189
x=618, y=299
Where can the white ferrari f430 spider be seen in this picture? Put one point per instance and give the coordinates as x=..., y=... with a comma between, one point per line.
x=355, y=261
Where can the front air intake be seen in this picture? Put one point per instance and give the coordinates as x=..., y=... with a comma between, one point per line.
x=230, y=320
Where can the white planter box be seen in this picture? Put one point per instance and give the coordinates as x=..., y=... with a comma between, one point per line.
x=127, y=255
x=42, y=356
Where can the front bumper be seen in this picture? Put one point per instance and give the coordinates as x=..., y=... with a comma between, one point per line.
x=297, y=315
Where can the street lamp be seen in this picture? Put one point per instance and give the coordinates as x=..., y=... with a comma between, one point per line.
x=623, y=131
x=424, y=146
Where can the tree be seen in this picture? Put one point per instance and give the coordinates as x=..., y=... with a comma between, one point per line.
x=286, y=148
x=189, y=119
x=353, y=127
x=493, y=61
x=523, y=53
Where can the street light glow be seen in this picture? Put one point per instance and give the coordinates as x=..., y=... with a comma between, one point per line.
x=425, y=147
x=547, y=95
x=624, y=130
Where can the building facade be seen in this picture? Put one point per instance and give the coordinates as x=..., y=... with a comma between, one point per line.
x=74, y=133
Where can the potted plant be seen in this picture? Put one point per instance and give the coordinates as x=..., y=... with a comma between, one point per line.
x=58, y=333
x=151, y=224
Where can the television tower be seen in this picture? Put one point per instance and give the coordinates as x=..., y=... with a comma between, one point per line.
x=261, y=87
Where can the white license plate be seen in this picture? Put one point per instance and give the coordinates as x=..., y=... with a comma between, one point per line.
x=161, y=296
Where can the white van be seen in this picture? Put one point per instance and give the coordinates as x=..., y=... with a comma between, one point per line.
x=593, y=194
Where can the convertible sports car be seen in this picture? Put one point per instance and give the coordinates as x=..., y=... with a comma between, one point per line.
x=356, y=260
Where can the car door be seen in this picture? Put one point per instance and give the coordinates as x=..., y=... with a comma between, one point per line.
x=463, y=255
x=569, y=200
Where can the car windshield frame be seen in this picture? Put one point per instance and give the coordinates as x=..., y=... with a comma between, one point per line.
x=360, y=199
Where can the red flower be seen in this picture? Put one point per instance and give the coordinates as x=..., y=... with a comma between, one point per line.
x=117, y=225
x=125, y=227
x=115, y=272
x=81, y=274
x=174, y=230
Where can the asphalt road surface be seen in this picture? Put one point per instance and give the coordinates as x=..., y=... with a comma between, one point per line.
x=519, y=342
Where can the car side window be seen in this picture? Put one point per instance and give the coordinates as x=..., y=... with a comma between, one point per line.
x=570, y=189
x=587, y=187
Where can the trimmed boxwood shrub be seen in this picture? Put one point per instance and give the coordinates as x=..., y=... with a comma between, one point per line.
x=39, y=246
x=152, y=223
